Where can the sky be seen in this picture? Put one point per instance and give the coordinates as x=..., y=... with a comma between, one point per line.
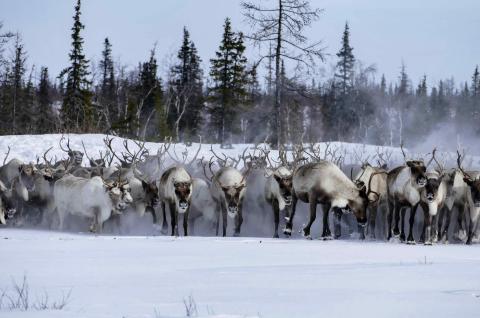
x=434, y=37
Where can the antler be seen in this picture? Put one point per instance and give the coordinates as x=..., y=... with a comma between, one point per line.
x=47, y=162
x=68, y=150
x=86, y=153
x=6, y=155
x=433, y=157
x=403, y=152
x=459, y=163
x=210, y=164
x=108, y=143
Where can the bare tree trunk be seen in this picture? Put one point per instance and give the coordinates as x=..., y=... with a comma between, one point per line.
x=278, y=93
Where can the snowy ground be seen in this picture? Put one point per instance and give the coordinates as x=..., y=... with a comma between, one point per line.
x=246, y=277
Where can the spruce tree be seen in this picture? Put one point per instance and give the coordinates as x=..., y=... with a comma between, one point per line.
x=77, y=113
x=345, y=64
x=186, y=91
x=45, y=115
x=107, y=98
x=16, y=83
x=229, y=77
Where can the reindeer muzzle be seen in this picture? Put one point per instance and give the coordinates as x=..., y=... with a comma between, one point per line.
x=422, y=182
x=430, y=197
x=232, y=211
x=288, y=200
x=11, y=213
x=362, y=222
x=182, y=206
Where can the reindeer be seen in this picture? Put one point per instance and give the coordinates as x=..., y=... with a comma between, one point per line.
x=375, y=181
x=279, y=186
x=75, y=157
x=404, y=184
x=472, y=179
x=175, y=189
x=323, y=182
x=433, y=197
x=7, y=208
x=92, y=198
x=456, y=198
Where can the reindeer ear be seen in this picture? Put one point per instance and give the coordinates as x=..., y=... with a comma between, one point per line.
x=277, y=178
x=468, y=181
x=145, y=184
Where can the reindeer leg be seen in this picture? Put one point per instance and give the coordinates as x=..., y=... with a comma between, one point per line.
x=373, y=220
x=439, y=226
x=396, y=229
x=173, y=218
x=276, y=216
x=289, y=226
x=326, y=234
x=472, y=226
x=402, y=213
x=413, y=212
x=337, y=222
x=164, y=223
x=444, y=232
x=461, y=220
x=185, y=222
x=390, y=212
x=224, y=221
x=218, y=211
x=313, y=214
x=238, y=222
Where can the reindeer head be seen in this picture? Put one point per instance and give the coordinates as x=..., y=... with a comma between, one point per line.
x=418, y=170
x=27, y=176
x=234, y=197
x=431, y=188
x=151, y=193
x=119, y=193
x=284, y=177
x=359, y=207
x=183, y=192
x=472, y=183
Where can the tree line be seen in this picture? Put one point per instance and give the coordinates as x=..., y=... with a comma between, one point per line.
x=230, y=102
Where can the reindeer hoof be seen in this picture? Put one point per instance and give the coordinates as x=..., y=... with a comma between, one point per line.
x=236, y=234
x=428, y=243
x=411, y=242
x=327, y=238
x=275, y=236
x=308, y=237
x=287, y=231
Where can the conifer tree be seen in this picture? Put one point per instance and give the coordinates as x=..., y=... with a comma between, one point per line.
x=229, y=76
x=77, y=113
x=345, y=64
x=107, y=97
x=186, y=91
x=45, y=115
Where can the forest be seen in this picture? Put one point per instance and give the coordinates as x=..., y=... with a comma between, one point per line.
x=235, y=100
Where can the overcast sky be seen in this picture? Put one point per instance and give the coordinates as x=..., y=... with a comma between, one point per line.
x=435, y=37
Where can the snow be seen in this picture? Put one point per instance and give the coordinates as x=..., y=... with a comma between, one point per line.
x=29, y=147
x=113, y=276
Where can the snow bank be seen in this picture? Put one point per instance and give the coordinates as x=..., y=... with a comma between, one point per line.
x=28, y=147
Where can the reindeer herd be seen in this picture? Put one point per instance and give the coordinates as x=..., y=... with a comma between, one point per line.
x=50, y=193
